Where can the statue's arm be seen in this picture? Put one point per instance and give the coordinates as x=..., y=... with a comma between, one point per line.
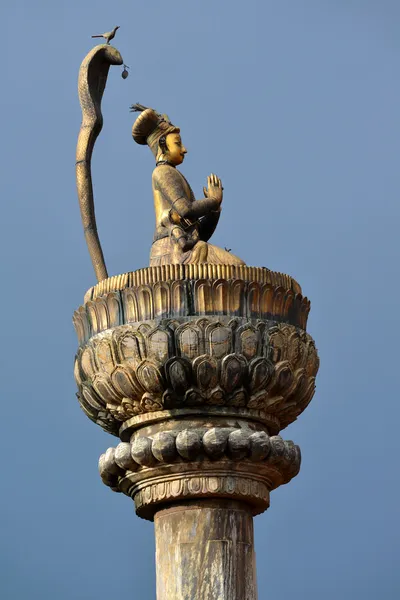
x=208, y=224
x=195, y=210
x=171, y=186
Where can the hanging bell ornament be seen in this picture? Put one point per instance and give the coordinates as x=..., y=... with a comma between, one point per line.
x=125, y=73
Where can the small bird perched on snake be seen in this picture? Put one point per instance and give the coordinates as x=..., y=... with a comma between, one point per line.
x=110, y=35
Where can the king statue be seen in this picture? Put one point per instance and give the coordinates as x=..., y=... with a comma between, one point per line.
x=183, y=224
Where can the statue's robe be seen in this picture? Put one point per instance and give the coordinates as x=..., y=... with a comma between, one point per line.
x=183, y=224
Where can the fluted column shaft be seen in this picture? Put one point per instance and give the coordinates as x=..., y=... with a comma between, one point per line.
x=205, y=551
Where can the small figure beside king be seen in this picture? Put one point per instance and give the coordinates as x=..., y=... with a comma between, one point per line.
x=183, y=224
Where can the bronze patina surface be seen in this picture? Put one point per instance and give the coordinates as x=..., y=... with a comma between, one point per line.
x=91, y=84
x=183, y=224
x=196, y=363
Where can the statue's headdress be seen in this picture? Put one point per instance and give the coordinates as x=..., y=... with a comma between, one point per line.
x=150, y=126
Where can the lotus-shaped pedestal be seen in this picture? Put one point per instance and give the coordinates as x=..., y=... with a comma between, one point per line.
x=197, y=369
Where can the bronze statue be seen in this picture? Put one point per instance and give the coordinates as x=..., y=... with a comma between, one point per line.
x=183, y=224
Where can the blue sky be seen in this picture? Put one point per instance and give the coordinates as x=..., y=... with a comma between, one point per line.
x=295, y=105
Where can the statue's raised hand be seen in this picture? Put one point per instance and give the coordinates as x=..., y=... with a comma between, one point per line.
x=214, y=189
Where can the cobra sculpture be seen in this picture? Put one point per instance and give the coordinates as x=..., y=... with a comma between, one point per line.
x=91, y=84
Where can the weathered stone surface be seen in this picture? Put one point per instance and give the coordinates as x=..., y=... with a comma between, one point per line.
x=109, y=465
x=238, y=444
x=147, y=367
x=176, y=465
x=205, y=551
x=164, y=447
x=109, y=470
x=260, y=445
x=123, y=457
x=141, y=452
x=215, y=441
x=188, y=444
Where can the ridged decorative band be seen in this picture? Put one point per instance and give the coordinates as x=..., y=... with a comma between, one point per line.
x=187, y=299
x=151, y=275
x=149, y=496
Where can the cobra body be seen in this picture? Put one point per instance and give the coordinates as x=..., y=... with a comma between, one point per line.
x=91, y=84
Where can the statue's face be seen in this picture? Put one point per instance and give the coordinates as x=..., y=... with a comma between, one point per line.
x=176, y=150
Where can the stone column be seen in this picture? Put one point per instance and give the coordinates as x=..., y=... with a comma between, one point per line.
x=205, y=550
x=196, y=369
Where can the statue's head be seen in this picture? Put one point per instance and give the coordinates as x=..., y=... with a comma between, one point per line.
x=157, y=132
x=171, y=148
